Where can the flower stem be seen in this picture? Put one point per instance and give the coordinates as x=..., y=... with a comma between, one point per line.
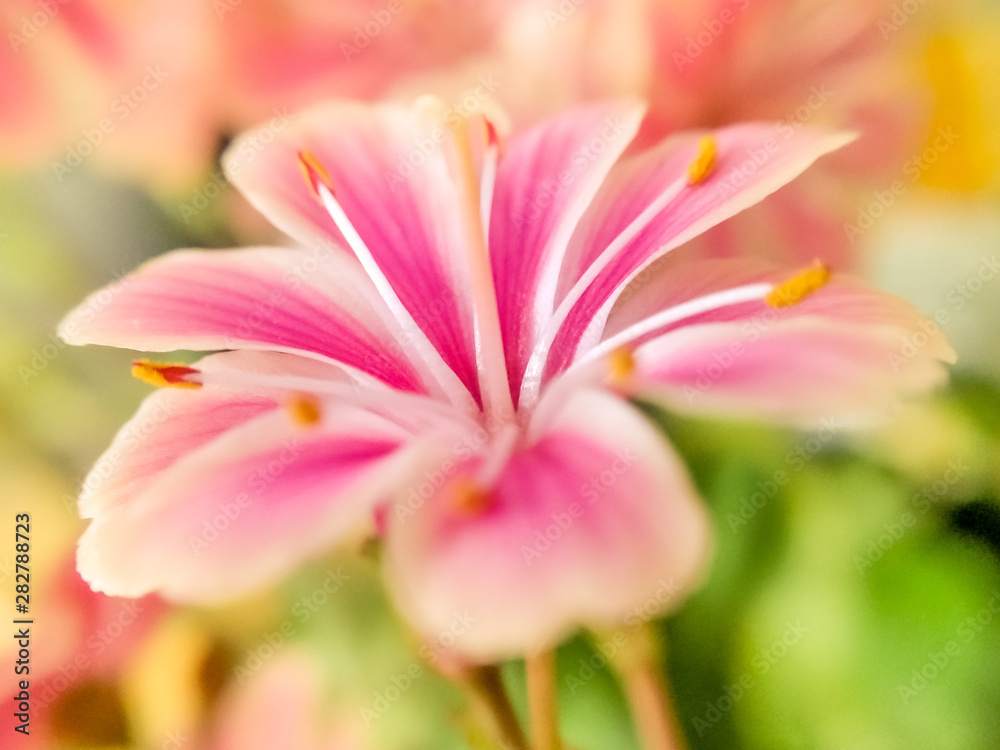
x=486, y=685
x=638, y=666
x=542, y=701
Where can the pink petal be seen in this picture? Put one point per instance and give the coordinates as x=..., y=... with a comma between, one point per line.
x=391, y=173
x=171, y=423
x=546, y=179
x=833, y=353
x=283, y=706
x=675, y=279
x=277, y=708
x=595, y=518
x=110, y=628
x=245, y=508
x=310, y=303
x=798, y=370
x=753, y=160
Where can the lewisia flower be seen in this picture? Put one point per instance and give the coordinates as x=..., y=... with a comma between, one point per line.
x=446, y=359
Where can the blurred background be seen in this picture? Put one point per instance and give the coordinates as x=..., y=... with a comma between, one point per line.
x=856, y=605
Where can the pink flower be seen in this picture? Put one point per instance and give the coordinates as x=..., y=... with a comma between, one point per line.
x=39, y=37
x=710, y=63
x=445, y=357
x=81, y=659
x=282, y=706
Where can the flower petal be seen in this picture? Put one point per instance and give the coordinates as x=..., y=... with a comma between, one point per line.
x=595, y=518
x=838, y=351
x=752, y=161
x=546, y=179
x=798, y=370
x=289, y=300
x=245, y=508
x=171, y=423
x=390, y=172
x=674, y=280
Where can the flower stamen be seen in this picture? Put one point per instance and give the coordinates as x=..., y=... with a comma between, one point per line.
x=621, y=365
x=677, y=313
x=314, y=171
x=698, y=171
x=469, y=498
x=426, y=356
x=305, y=410
x=704, y=162
x=164, y=374
x=800, y=286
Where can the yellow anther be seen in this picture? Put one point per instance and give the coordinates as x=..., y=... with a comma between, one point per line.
x=305, y=410
x=314, y=171
x=799, y=287
x=469, y=498
x=704, y=162
x=163, y=374
x=621, y=365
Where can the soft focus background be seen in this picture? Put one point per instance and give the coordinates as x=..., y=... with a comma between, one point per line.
x=855, y=605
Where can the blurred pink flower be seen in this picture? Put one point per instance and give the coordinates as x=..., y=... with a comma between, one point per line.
x=449, y=351
x=39, y=37
x=282, y=707
x=118, y=84
x=709, y=63
x=149, y=89
x=79, y=657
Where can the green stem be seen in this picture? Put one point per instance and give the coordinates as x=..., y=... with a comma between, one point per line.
x=486, y=686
